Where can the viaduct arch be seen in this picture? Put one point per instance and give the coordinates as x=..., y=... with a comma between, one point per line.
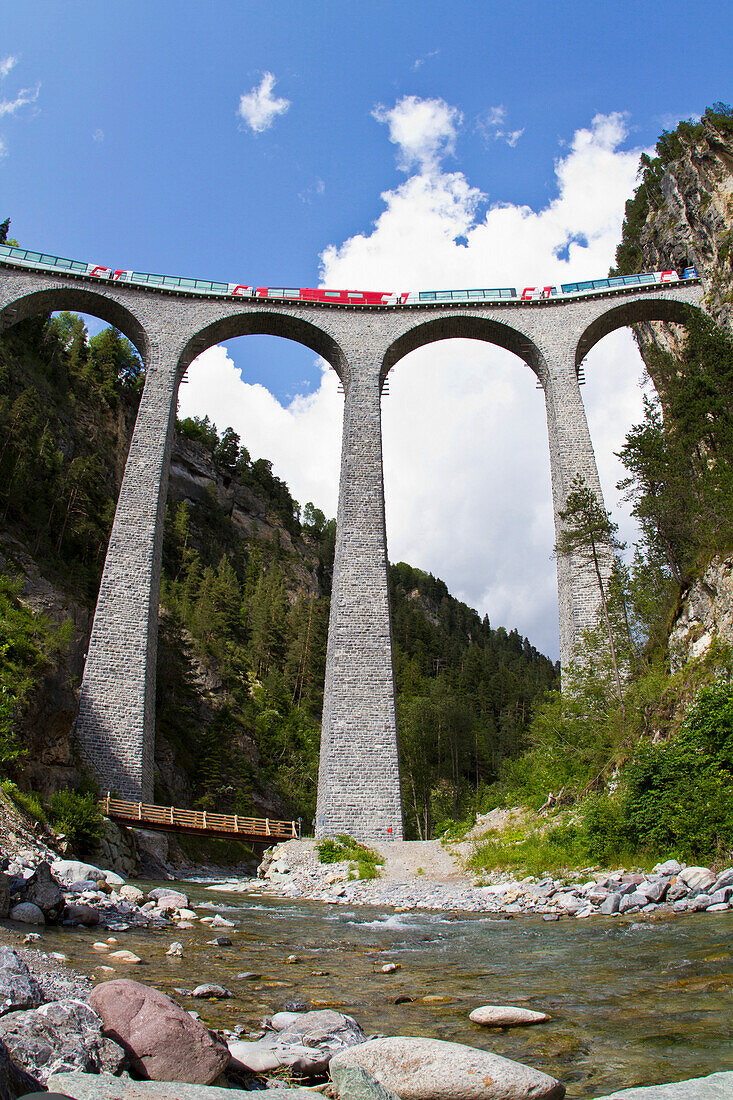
x=359, y=783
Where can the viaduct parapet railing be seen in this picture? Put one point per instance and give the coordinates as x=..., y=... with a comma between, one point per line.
x=170, y=819
x=170, y=324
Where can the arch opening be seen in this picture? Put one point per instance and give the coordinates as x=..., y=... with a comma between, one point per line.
x=264, y=323
x=239, y=534
x=78, y=300
x=629, y=314
x=468, y=503
x=462, y=326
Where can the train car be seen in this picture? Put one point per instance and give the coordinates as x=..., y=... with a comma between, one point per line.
x=354, y=298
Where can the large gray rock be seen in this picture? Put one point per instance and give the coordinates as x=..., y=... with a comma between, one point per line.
x=723, y=880
x=89, y=1086
x=355, y=1083
x=430, y=1069
x=610, y=905
x=58, y=1038
x=306, y=1046
x=72, y=870
x=175, y=897
x=719, y=1086
x=26, y=912
x=669, y=867
x=14, y=1081
x=18, y=988
x=43, y=890
x=163, y=1042
x=697, y=879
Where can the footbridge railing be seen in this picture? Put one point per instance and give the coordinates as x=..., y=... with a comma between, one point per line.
x=171, y=819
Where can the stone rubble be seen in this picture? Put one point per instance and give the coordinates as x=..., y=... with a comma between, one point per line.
x=671, y=887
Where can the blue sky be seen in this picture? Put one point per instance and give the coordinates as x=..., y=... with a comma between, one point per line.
x=398, y=144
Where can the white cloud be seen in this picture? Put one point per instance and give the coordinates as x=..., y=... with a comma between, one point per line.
x=420, y=61
x=24, y=97
x=492, y=127
x=98, y=136
x=6, y=65
x=259, y=108
x=3, y=149
x=424, y=129
x=465, y=438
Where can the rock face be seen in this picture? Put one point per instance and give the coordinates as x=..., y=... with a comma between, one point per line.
x=27, y=913
x=60, y=1037
x=706, y=612
x=14, y=1081
x=430, y=1069
x=18, y=988
x=355, y=1083
x=163, y=1042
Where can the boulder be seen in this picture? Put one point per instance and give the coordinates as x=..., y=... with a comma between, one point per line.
x=14, y=1081
x=669, y=867
x=506, y=1016
x=125, y=956
x=281, y=1020
x=431, y=1069
x=132, y=894
x=723, y=880
x=697, y=879
x=654, y=891
x=718, y=1086
x=18, y=988
x=207, y=991
x=175, y=898
x=356, y=1083
x=60, y=1037
x=306, y=1046
x=86, y=915
x=163, y=1042
x=72, y=870
x=26, y=912
x=89, y=1086
x=43, y=890
x=610, y=905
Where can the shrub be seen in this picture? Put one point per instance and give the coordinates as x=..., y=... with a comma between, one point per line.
x=346, y=848
x=77, y=816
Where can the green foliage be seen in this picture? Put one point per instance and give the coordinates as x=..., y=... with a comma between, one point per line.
x=27, y=801
x=63, y=400
x=78, y=817
x=344, y=847
x=27, y=643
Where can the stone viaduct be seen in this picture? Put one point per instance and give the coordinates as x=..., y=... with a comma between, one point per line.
x=359, y=782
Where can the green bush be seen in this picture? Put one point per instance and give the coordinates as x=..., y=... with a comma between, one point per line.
x=78, y=817
x=346, y=848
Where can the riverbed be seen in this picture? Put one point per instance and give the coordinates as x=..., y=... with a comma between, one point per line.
x=632, y=1001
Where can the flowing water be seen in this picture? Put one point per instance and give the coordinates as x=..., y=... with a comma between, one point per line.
x=632, y=1001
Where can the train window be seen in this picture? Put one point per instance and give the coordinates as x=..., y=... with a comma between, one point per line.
x=443, y=295
x=76, y=266
x=275, y=292
x=290, y=292
x=427, y=295
x=35, y=257
x=332, y=293
x=220, y=288
x=190, y=284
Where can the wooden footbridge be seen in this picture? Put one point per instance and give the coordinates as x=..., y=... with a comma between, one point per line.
x=170, y=819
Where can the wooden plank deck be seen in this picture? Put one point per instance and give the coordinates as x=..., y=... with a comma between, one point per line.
x=171, y=819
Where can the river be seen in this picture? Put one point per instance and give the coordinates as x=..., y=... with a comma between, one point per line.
x=632, y=1001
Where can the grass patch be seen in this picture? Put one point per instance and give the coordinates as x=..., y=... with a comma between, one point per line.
x=367, y=862
x=26, y=801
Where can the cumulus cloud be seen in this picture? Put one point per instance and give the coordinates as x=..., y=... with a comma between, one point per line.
x=425, y=130
x=465, y=438
x=259, y=108
x=6, y=65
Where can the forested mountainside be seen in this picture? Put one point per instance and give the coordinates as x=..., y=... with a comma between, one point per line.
x=244, y=607
x=647, y=767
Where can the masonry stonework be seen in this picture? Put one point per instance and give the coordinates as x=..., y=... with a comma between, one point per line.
x=359, y=784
